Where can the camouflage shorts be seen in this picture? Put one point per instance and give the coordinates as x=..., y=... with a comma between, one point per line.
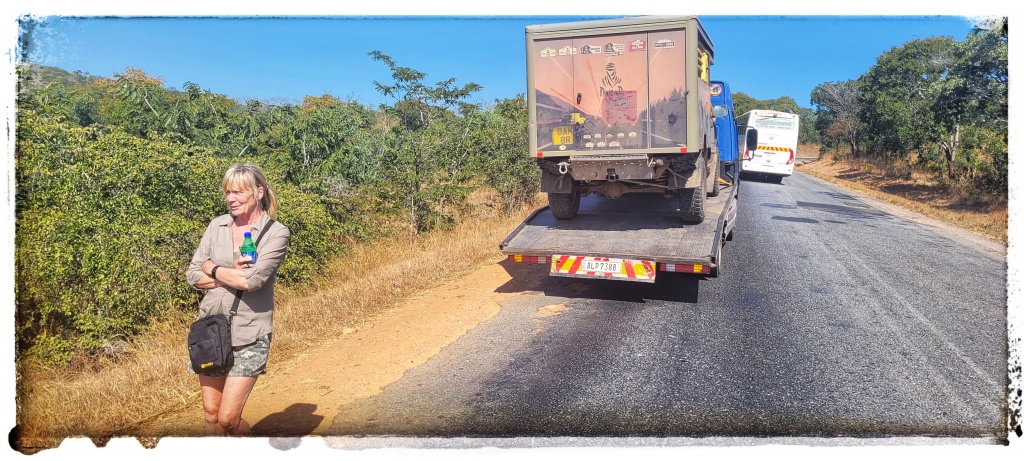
x=249, y=360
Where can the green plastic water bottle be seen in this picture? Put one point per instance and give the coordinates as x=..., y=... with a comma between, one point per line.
x=249, y=248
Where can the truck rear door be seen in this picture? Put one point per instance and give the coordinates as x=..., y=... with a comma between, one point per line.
x=610, y=92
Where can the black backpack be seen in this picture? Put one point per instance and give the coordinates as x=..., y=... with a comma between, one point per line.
x=209, y=344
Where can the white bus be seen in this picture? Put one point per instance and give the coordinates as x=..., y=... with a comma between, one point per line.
x=775, y=152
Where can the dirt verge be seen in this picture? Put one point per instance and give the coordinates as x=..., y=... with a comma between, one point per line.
x=301, y=397
x=986, y=216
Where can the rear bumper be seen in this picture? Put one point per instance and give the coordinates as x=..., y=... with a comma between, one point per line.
x=776, y=170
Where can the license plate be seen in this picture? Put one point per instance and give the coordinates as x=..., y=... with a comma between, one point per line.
x=602, y=268
x=614, y=267
x=561, y=135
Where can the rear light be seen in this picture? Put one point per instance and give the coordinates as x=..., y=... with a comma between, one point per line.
x=682, y=150
x=748, y=154
x=540, y=154
x=792, y=157
x=529, y=259
x=685, y=268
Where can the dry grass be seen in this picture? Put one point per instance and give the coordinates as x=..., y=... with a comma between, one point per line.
x=114, y=398
x=900, y=185
x=150, y=378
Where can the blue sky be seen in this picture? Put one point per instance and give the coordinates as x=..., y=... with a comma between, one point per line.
x=286, y=58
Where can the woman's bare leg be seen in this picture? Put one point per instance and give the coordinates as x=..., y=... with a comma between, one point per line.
x=235, y=392
x=213, y=391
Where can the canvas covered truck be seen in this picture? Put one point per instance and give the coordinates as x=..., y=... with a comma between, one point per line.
x=622, y=125
x=623, y=106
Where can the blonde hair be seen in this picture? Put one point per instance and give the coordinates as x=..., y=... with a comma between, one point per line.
x=250, y=177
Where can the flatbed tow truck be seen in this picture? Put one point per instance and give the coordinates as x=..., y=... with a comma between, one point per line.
x=623, y=126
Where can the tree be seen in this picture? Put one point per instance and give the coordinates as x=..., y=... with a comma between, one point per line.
x=421, y=113
x=135, y=87
x=971, y=91
x=508, y=168
x=896, y=105
x=836, y=106
x=808, y=120
x=743, y=103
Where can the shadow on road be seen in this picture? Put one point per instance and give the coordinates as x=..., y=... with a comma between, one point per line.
x=762, y=177
x=295, y=421
x=534, y=278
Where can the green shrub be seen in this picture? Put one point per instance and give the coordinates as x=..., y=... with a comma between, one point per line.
x=107, y=224
x=104, y=226
x=315, y=238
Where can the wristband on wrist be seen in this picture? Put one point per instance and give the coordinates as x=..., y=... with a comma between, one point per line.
x=213, y=272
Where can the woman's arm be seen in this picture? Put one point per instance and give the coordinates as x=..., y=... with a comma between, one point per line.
x=198, y=272
x=271, y=255
x=233, y=277
x=206, y=281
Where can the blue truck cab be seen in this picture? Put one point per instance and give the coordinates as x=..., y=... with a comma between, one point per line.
x=725, y=130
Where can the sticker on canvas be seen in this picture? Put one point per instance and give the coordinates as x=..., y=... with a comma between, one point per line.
x=619, y=107
x=664, y=43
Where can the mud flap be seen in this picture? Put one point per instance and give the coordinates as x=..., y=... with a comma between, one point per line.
x=694, y=180
x=559, y=184
x=683, y=180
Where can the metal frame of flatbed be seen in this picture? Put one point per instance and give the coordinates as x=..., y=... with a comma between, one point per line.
x=649, y=231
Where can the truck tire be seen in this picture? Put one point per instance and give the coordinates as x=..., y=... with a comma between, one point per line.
x=691, y=200
x=714, y=183
x=564, y=206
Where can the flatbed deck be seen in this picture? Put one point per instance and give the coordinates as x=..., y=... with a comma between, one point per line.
x=636, y=226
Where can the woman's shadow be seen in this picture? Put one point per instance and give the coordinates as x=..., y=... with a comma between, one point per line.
x=295, y=421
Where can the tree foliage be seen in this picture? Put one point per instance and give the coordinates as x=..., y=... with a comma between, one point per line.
x=896, y=107
x=504, y=136
x=943, y=99
x=838, y=106
x=429, y=166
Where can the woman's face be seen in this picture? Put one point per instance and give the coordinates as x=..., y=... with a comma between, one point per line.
x=242, y=201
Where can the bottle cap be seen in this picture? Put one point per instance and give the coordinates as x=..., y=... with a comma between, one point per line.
x=248, y=235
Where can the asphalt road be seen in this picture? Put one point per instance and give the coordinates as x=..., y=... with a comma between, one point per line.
x=832, y=318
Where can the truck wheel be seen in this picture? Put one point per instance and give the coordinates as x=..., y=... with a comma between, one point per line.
x=691, y=200
x=714, y=184
x=564, y=206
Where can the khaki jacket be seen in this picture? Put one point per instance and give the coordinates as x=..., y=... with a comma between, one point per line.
x=255, y=316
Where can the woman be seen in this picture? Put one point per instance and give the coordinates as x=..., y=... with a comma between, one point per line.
x=219, y=268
